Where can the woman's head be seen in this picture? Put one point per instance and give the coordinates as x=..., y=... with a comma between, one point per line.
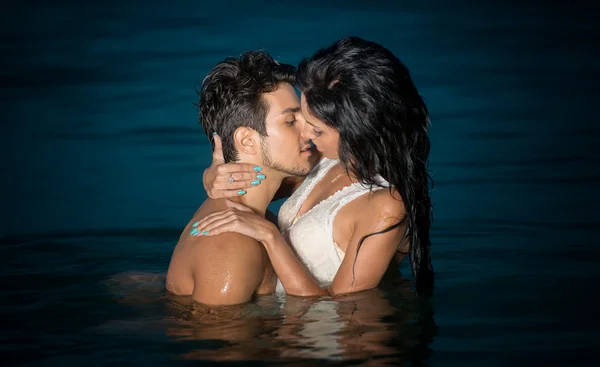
x=362, y=106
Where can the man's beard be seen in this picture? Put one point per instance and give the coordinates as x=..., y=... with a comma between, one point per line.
x=294, y=170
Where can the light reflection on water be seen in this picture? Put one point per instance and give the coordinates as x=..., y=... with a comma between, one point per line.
x=387, y=326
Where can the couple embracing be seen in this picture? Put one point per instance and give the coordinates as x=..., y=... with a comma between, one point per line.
x=350, y=156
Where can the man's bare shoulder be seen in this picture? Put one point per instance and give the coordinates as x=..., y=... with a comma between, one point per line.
x=223, y=250
x=227, y=268
x=226, y=241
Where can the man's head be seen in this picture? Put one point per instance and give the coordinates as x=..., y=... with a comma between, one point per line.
x=250, y=102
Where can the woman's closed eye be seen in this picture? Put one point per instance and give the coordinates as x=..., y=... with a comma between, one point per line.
x=291, y=122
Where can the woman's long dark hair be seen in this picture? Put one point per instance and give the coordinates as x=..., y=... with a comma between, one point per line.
x=364, y=92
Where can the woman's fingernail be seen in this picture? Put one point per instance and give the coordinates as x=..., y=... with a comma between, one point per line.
x=241, y=192
x=194, y=231
x=195, y=224
x=254, y=183
x=257, y=168
x=260, y=176
x=215, y=133
x=205, y=233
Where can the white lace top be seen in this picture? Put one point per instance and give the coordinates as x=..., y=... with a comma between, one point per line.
x=311, y=234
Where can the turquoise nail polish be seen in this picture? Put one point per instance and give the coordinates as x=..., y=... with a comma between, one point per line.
x=254, y=183
x=205, y=233
x=241, y=192
x=194, y=231
x=257, y=168
x=215, y=133
x=260, y=176
x=195, y=224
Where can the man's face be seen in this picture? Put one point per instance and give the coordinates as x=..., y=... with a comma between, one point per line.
x=286, y=149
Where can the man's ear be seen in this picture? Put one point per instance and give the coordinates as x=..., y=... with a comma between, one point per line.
x=246, y=140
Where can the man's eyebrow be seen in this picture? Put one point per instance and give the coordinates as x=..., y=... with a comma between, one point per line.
x=290, y=109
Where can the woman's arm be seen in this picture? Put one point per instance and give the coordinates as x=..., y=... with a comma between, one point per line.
x=371, y=263
x=226, y=180
x=294, y=276
x=363, y=268
x=372, y=260
x=217, y=177
x=360, y=269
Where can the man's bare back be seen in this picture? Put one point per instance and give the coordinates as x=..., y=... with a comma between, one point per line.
x=222, y=270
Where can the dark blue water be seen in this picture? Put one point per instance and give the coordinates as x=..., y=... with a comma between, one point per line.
x=102, y=158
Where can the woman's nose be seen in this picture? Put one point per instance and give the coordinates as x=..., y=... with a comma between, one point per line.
x=307, y=132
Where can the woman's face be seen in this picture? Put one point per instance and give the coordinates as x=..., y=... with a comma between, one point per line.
x=325, y=138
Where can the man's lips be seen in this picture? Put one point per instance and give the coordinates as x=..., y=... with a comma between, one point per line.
x=306, y=150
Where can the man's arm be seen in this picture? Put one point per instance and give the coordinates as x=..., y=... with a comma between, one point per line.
x=228, y=270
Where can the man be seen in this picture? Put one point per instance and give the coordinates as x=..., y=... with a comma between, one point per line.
x=250, y=102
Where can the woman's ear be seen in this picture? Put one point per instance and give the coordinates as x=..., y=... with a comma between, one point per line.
x=246, y=141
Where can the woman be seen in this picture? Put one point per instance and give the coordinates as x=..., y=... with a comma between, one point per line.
x=340, y=230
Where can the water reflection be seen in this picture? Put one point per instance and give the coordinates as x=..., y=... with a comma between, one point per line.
x=384, y=326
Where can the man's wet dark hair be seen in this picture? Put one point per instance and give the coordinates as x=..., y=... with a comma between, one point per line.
x=231, y=96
